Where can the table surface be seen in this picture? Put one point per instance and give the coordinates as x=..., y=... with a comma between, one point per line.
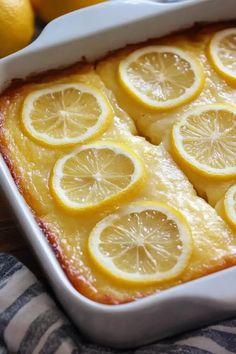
x=12, y=240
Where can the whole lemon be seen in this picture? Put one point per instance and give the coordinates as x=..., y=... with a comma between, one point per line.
x=16, y=25
x=47, y=10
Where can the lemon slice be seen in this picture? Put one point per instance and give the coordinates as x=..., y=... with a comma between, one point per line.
x=222, y=53
x=205, y=140
x=96, y=175
x=161, y=77
x=146, y=242
x=66, y=114
x=230, y=206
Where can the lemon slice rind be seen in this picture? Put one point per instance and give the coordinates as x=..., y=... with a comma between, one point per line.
x=130, y=191
x=92, y=132
x=190, y=93
x=106, y=264
x=185, y=160
x=213, y=53
x=229, y=206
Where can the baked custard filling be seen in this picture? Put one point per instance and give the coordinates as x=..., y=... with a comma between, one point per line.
x=129, y=164
x=213, y=47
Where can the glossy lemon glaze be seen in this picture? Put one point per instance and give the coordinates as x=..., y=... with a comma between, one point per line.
x=31, y=165
x=156, y=126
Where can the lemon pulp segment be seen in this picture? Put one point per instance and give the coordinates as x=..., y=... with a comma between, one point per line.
x=161, y=77
x=66, y=114
x=222, y=53
x=97, y=174
x=147, y=242
x=205, y=139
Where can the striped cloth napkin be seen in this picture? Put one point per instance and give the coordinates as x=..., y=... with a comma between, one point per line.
x=32, y=323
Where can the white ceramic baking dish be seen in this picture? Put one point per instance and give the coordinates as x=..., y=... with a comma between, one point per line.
x=91, y=33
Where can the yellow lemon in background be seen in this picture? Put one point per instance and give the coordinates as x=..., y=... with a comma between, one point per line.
x=16, y=25
x=47, y=10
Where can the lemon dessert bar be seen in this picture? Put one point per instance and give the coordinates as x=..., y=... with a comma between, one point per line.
x=119, y=210
x=181, y=90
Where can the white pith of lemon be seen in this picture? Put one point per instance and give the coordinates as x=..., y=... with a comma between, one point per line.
x=204, y=139
x=222, y=53
x=161, y=77
x=230, y=206
x=96, y=175
x=146, y=242
x=66, y=114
